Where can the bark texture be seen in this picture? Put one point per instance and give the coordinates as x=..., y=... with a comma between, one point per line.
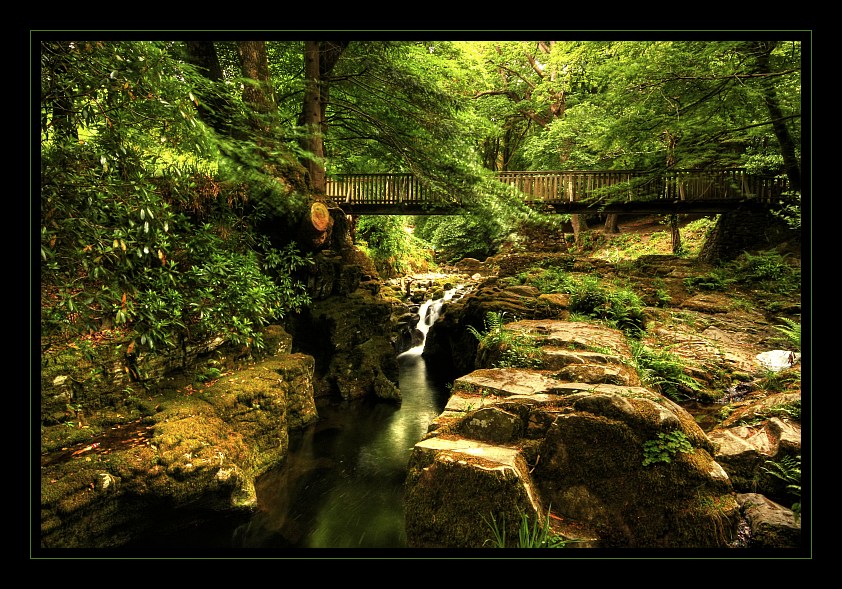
x=312, y=118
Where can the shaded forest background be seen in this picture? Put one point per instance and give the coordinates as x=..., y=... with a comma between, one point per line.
x=174, y=174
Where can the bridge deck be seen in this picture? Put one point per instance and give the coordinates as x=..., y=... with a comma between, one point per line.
x=645, y=207
x=679, y=191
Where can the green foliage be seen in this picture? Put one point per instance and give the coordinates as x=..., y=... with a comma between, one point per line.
x=138, y=230
x=788, y=469
x=792, y=330
x=391, y=245
x=455, y=237
x=233, y=295
x=532, y=535
x=778, y=381
x=789, y=210
x=761, y=267
x=589, y=297
x=715, y=280
x=516, y=349
x=208, y=374
x=665, y=447
x=663, y=371
x=625, y=312
x=662, y=298
x=620, y=308
x=768, y=271
x=494, y=328
x=786, y=410
x=552, y=280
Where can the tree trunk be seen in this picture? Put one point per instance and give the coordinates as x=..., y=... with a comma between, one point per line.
x=212, y=108
x=316, y=226
x=254, y=64
x=579, y=224
x=320, y=57
x=676, y=235
x=611, y=223
x=312, y=142
x=770, y=98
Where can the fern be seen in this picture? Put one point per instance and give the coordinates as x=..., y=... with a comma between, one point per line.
x=493, y=327
x=663, y=371
x=517, y=350
x=788, y=469
x=792, y=330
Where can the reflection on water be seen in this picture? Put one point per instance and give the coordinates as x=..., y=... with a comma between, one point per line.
x=342, y=485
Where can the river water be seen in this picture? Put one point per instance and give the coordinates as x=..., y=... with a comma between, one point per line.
x=342, y=485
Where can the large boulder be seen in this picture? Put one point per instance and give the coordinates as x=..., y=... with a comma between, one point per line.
x=197, y=453
x=612, y=465
x=756, y=434
x=579, y=445
x=350, y=336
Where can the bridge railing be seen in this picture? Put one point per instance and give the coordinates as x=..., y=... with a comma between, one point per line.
x=628, y=185
x=381, y=192
x=376, y=189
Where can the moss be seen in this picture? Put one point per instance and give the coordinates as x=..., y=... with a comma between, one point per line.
x=709, y=521
x=55, y=438
x=437, y=510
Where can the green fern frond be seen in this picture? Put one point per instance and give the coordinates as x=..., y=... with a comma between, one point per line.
x=792, y=330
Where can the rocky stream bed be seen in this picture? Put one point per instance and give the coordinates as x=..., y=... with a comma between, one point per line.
x=196, y=433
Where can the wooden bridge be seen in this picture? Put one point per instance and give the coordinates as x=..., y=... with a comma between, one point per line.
x=569, y=191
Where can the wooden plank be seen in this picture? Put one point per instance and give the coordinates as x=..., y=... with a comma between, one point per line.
x=572, y=186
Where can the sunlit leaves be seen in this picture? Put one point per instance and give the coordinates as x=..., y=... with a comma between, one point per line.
x=116, y=244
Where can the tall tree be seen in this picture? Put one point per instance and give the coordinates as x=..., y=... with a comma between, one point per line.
x=536, y=78
x=56, y=94
x=312, y=140
x=762, y=53
x=320, y=57
x=257, y=91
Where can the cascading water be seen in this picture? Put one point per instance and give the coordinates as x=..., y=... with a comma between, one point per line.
x=343, y=483
x=428, y=314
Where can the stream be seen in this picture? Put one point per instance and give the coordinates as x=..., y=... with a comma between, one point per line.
x=342, y=485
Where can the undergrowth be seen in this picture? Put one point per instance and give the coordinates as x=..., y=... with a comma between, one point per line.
x=516, y=349
x=664, y=372
x=530, y=535
x=618, y=307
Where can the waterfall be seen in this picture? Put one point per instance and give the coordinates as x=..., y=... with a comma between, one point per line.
x=428, y=314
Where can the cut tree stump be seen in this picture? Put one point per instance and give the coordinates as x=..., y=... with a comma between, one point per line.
x=316, y=225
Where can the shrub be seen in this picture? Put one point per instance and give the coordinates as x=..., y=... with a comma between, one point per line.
x=788, y=469
x=516, y=349
x=552, y=280
x=621, y=308
x=665, y=447
x=625, y=312
x=587, y=296
x=456, y=237
x=767, y=270
x=146, y=226
x=663, y=371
